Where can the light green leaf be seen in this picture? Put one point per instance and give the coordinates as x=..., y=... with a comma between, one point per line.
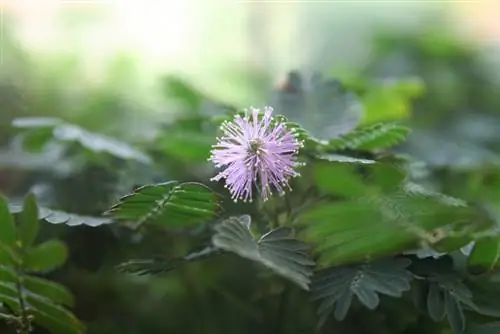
x=46, y=256
x=276, y=249
x=377, y=136
x=336, y=286
x=484, y=255
x=169, y=204
x=7, y=226
x=28, y=222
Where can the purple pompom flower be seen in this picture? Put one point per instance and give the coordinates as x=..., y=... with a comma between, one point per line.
x=255, y=150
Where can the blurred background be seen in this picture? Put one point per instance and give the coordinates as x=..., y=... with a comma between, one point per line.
x=128, y=69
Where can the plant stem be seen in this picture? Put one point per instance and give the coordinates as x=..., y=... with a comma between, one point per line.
x=25, y=327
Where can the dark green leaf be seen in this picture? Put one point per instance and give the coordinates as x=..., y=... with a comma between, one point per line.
x=455, y=313
x=57, y=293
x=159, y=265
x=490, y=328
x=276, y=249
x=28, y=222
x=435, y=302
x=46, y=256
x=336, y=286
x=55, y=318
x=170, y=204
x=7, y=225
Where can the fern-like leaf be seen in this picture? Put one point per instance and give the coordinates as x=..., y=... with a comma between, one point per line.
x=336, y=287
x=377, y=136
x=276, y=249
x=169, y=204
x=159, y=265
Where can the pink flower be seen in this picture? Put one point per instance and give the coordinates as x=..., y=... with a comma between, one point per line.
x=255, y=150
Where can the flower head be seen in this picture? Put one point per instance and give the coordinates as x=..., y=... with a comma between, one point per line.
x=255, y=150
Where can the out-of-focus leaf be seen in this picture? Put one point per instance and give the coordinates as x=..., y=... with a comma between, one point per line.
x=390, y=99
x=157, y=266
x=7, y=225
x=60, y=217
x=484, y=255
x=28, y=221
x=490, y=328
x=344, y=159
x=324, y=108
x=46, y=256
x=349, y=230
x=169, y=204
x=56, y=292
x=276, y=249
x=371, y=137
x=53, y=317
x=68, y=133
x=336, y=287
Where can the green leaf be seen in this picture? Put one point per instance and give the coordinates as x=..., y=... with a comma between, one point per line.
x=336, y=286
x=60, y=217
x=53, y=317
x=46, y=256
x=435, y=302
x=324, y=108
x=157, y=266
x=169, y=204
x=28, y=222
x=7, y=255
x=391, y=99
x=343, y=159
x=7, y=226
x=377, y=136
x=276, y=249
x=484, y=255
x=455, y=313
x=490, y=328
x=57, y=293
x=339, y=179
x=346, y=231
x=68, y=133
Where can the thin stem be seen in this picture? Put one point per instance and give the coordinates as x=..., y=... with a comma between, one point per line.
x=25, y=327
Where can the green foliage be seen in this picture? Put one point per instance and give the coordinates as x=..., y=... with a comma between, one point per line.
x=170, y=204
x=376, y=136
x=40, y=131
x=27, y=298
x=60, y=217
x=276, y=249
x=337, y=286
